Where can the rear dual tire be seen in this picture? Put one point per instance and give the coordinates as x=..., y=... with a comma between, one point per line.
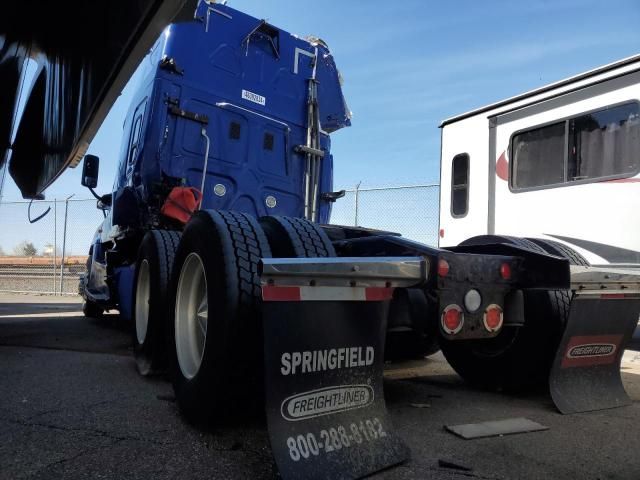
x=150, y=299
x=291, y=237
x=215, y=320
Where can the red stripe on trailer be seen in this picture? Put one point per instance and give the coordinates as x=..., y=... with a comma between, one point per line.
x=502, y=167
x=271, y=293
x=612, y=295
x=373, y=294
x=622, y=180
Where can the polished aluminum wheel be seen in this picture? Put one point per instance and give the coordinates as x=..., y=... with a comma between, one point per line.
x=143, y=289
x=191, y=315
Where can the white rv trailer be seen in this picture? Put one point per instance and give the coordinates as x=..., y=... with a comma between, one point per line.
x=561, y=162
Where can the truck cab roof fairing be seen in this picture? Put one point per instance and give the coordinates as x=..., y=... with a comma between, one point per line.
x=78, y=69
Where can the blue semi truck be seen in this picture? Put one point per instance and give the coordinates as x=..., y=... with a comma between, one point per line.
x=226, y=167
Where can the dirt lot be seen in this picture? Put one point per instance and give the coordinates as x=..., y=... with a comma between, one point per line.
x=73, y=406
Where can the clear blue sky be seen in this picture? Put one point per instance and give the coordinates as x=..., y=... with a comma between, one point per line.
x=409, y=64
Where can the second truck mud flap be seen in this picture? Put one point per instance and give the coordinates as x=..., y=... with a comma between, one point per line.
x=603, y=316
x=324, y=353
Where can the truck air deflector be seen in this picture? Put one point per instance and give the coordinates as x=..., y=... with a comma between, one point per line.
x=324, y=322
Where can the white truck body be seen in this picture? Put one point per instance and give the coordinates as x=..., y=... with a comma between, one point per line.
x=561, y=162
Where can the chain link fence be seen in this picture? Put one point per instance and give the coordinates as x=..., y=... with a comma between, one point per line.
x=411, y=210
x=49, y=255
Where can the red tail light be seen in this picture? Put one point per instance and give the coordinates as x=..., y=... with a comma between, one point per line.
x=505, y=271
x=493, y=318
x=452, y=319
x=443, y=267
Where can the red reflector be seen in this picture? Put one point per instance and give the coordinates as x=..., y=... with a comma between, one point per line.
x=505, y=271
x=280, y=294
x=493, y=318
x=452, y=319
x=443, y=267
x=373, y=294
x=612, y=295
x=442, y=233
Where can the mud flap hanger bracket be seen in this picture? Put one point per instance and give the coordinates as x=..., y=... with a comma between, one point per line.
x=389, y=272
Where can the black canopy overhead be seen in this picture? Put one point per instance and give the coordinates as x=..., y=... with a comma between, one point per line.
x=79, y=55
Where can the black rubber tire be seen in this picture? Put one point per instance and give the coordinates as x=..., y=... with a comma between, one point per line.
x=158, y=248
x=519, y=358
x=91, y=309
x=291, y=237
x=517, y=241
x=561, y=250
x=229, y=381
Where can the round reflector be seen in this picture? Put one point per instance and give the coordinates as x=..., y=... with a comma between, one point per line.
x=443, y=267
x=493, y=318
x=505, y=271
x=472, y=300
x=452, y=319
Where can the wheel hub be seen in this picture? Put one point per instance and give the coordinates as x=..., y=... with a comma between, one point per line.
x=191, y=315
x=143, y=288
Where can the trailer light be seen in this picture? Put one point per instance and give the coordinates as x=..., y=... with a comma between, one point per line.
x=472, y=300
x=452, y=319
x=443, y=267
x=505, y=271
x=493, y=318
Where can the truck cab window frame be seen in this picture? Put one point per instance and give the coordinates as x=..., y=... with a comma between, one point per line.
x=460, y=185
x=135, y=135
x=601, y=144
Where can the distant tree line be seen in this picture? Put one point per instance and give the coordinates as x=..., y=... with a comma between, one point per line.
x=28, y=249
x=23, y=249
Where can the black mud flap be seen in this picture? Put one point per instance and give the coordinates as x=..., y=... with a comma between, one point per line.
x=325, y=407
x=586, y=371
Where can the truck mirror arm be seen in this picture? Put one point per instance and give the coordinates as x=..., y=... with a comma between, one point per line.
x=332, y=196
x=103, y=200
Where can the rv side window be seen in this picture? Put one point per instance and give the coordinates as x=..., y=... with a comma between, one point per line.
x=538, y=157
x=605, y=143
x=599, y=144
x=460, y=185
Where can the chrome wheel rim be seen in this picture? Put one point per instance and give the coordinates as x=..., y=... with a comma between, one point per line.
x=191, y=315
x=143, y=289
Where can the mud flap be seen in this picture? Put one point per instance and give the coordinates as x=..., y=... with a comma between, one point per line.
x=586, y=371
x=324, y=351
